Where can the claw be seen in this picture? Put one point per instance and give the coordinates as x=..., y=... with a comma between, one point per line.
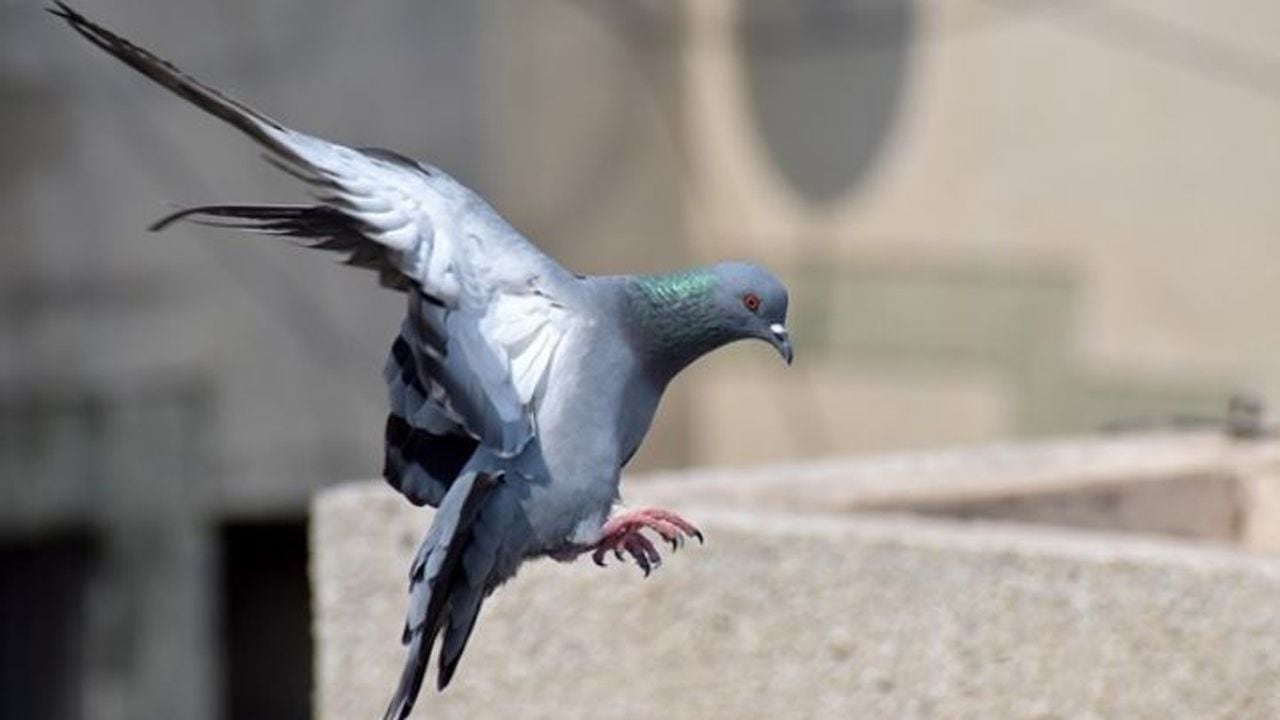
x=698, y=534
x=598, y=557
x=645, y=554
x=635, y=546
x=655, y=558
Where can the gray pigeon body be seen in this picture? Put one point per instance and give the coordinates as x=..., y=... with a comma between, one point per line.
x=518, y=390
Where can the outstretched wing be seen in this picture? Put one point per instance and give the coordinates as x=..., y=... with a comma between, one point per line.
x=493, y=308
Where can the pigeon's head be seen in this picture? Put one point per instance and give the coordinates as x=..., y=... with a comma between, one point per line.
x=753, y=304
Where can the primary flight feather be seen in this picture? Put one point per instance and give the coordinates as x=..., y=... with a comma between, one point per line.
x=518, y=390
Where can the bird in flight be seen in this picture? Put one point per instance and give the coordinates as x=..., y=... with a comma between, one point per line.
x=518, y=390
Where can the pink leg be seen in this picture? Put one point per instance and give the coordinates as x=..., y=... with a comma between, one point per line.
x=622, y=533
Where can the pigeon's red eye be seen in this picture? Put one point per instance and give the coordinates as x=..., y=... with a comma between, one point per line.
x=751, y=301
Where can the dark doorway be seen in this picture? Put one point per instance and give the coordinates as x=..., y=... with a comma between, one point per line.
x=43, y=587
x=266, y=621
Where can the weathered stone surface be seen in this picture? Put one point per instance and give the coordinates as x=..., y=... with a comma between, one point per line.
x=817, y=616
x=1193, y=485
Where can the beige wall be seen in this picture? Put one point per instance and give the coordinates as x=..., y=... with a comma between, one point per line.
x=1102, y=174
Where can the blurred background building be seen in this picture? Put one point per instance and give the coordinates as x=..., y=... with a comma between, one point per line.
x=998, y=217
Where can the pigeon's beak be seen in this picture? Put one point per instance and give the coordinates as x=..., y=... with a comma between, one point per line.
x=781, y=340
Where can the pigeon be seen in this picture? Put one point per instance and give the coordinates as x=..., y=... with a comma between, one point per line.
x=518, y=389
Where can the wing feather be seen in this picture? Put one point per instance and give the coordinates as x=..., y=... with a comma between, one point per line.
x=503, y=302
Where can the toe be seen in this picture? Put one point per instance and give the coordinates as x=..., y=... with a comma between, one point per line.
x=635, y=546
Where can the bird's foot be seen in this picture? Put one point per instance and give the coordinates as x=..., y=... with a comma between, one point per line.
x=622, y=534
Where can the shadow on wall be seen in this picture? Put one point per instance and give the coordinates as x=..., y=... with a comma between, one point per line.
x=825, y=78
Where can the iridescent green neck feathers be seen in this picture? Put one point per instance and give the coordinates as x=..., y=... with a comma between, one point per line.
x=675, y=317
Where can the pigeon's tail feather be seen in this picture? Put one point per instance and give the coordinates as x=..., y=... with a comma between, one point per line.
x=462, y=620
x=448, y=581
x=327, y=229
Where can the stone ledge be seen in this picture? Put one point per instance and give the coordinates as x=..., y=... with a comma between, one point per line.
x=1185, y=484
x=817, y=616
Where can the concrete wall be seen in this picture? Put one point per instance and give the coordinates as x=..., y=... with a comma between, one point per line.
x=812, y=615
